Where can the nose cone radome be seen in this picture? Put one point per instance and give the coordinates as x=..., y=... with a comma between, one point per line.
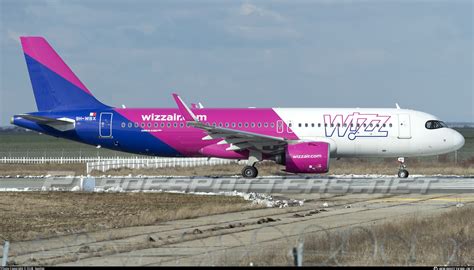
x=458, y=140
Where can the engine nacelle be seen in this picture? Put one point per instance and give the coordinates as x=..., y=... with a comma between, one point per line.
x=307, y=157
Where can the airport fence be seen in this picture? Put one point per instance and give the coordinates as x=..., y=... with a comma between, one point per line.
x=154, y=163
x=107, y=163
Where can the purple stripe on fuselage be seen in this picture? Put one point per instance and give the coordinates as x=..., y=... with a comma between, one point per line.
x=40, y=50
x=171, y=128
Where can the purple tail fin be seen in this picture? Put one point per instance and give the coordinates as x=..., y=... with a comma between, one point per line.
x=55, y=86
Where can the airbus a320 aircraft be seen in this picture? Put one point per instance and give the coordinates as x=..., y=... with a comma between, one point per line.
x=302, y=139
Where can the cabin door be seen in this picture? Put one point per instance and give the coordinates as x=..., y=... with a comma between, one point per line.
x=404, y=130
x=105, y=125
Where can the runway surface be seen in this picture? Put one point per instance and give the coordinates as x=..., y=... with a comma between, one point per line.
x=270, y=185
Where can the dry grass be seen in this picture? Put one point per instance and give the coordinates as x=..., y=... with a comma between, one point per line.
x=343, y=166
x=349, y=166
x=390, y=166
x=41, y=169
x=30, y=215
x=434, y=240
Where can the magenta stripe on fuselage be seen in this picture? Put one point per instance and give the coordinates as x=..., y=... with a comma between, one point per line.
x=40, y=50
x=188, y=141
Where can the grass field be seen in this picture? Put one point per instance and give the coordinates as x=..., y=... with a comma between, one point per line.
x=265, y=169
x=31, y=215
x=32, y=144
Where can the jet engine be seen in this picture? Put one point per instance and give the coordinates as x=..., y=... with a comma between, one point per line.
x=306, y=157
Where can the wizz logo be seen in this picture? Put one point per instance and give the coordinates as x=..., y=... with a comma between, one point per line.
x=356, y=125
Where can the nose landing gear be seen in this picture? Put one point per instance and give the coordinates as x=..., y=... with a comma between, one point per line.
x=402, y=171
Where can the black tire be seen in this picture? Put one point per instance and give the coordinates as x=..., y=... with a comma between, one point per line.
x=403, y=173
x=249, y=172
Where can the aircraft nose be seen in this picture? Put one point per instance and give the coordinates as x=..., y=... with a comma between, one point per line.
x=458, y=140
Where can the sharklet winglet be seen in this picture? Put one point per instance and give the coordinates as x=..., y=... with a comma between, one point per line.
x=185, y=111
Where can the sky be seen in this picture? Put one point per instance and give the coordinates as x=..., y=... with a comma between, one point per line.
x=319, y=53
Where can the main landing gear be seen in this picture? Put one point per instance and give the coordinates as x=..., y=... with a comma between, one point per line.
x=402, y=172
x=250, y=171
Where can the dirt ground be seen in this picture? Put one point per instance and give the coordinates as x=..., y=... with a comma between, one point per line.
x=31, y=215
x=427, y=236
x=354, y=229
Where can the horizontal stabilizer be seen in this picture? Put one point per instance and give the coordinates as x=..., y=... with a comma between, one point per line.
x=61, y=124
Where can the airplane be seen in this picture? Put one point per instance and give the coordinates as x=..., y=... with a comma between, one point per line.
x=301, y=139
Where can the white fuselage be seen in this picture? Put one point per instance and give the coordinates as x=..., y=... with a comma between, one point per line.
x=371, y=132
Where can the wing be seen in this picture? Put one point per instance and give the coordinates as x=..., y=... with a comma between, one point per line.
x=62, y=124
x=238, y=139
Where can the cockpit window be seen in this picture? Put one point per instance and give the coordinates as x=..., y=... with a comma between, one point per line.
x=435, y=124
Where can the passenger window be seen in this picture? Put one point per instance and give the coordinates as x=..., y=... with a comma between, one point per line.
x=181, y=125
x=312, y=124
x=272, y=125
x=265, y=124
x=240, y=124
x=162, y=124
x=319, y=124
x=233, y=124
x=175, y=124
x=390, y=125
x=246, y=124
x=259, y=125
x=305, y=124
x=149, y=125
x=252, y=124
x=143, y=125
x=168, y=124
x=299, y=125
x=130, y=124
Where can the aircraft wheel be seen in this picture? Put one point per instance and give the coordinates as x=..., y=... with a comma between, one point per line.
x=249, y=172
x=403, y=173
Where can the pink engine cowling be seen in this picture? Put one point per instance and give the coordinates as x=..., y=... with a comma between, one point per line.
x=307, y=157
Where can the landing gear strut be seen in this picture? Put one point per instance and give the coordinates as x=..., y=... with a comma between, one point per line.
x=250, y=171
x=402, y=172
